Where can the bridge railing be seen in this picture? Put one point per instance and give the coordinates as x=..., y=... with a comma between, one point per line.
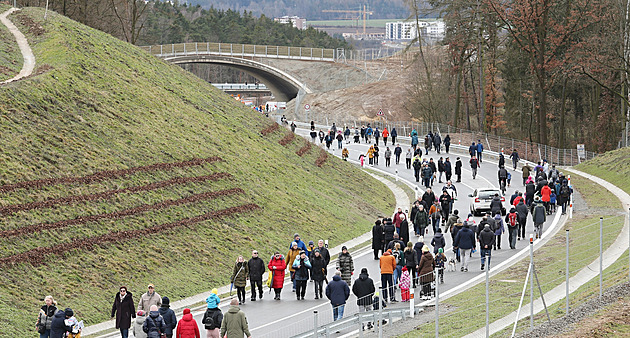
x=242, y=51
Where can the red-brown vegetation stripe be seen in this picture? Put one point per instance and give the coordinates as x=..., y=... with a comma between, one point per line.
x=304, y=149
x=323, y=156
x=103, y=175
x=38, y=255
x=108, y=194
x=119, y=214
x=273, y=127
x=287, y=139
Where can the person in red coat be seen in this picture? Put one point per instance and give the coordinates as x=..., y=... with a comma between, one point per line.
x=187, y=327
x=276, y=266
x=545, y=196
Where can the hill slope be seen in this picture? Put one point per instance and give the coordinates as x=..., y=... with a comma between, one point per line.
x=119, y=169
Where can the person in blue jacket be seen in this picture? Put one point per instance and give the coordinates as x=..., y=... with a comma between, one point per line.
x=301, y=245
x=302, y=265
x=465, y=241
x=479, y=150
x=338, y=292
x=472, y=150
x=394, y=135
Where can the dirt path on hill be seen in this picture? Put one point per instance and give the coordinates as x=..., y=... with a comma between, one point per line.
x=27, y=53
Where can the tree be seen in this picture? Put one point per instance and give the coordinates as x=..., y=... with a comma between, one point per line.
x=130, y=14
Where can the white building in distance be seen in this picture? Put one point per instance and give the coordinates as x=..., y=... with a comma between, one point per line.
x=296, y=21
x=433, y=30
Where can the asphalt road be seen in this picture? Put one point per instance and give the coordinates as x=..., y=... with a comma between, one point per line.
x=268, y=317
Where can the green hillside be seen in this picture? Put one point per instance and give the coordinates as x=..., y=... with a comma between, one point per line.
x=119, y=169
x=612, y=166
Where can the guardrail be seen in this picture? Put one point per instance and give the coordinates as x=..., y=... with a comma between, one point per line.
x=528, y=151
x=240, y=86
x=242, y=51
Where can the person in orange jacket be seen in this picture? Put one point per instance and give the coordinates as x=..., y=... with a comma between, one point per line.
x=388, y=265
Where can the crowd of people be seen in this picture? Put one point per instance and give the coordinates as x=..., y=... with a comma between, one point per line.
x=403, y=264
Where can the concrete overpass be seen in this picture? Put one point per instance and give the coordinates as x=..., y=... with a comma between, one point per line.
x=250, y=59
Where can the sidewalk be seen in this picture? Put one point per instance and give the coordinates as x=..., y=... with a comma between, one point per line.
x=401, y=200
x=589, y=272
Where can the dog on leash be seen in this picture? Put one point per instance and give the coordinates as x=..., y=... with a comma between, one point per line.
x=452, y=264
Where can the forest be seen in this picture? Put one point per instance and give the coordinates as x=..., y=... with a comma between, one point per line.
x=549, y=71
x=160, y=22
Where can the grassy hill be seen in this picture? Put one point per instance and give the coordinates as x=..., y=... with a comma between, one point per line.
x=612, y=166
x=119, y=169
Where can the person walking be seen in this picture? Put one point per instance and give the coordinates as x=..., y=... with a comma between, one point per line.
x=441, y=169
x=417, y=166
x=123, y=310
x=515, y=158
x=234, y=323
x=526, y=172
x=487, y=240
x=213, y=316
x=293, y=253
x=345, y=265
x=458, y=170
x=397, y=152
x=240, y=272
x=394, y=135
x=388, y=157
x=168, y=315
x=364, y=289
x=499, y=230
x=522, y=211
x=45, y=317
x=479, y=151
x=154, y=324
x=318, y=267
x=187, y=327
x=378, y=238
x=256, y=267
x=438, y=242
x=385, y=135
x=276, y=266
x=325, y=254
x=411, y=262
x=59, y=325
x=464, y=241
x=474, y=165
x=511, y=220
x=425, y=271
x=447, y=142
x=404, y=229
x=420, y=221
x=388, y=265
x=141, y=316
x=337, y=292
x=448, y=169
x=539, y=216
x=301, y=264
x=440, y=261
x=408, y=157
x=149, y=298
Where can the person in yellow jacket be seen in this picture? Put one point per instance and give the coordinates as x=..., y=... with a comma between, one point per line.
x=293, y=252
x=370, y=153
x=344, y=154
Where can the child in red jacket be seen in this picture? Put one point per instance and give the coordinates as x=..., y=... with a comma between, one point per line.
x=187, y=327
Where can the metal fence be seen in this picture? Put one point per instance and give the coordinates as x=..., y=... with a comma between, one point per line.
x=242, y=51
x=552, y=276
x=528, y=151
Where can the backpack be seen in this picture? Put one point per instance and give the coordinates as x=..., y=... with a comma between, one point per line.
x=400, y=259
x=209, y=320
x=540, y=214
x=565, y=191
x=512, y=219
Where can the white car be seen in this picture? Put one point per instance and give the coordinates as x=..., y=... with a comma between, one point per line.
x=481, y=198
